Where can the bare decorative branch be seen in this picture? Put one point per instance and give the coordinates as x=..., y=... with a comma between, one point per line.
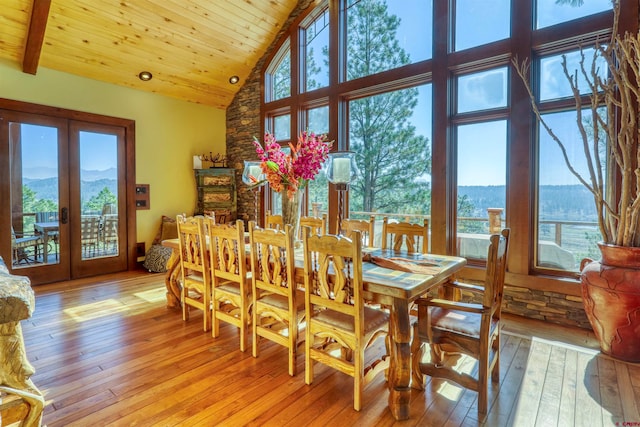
x=616, y=195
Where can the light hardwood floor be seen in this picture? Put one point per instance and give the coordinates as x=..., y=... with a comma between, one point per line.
x=107, y=352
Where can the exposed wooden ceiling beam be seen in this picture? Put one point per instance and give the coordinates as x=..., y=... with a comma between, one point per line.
x=37, y=27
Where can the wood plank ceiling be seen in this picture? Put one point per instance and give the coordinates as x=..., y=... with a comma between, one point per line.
x=192, y=47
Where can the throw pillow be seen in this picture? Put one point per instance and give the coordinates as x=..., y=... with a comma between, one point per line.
x=168, y=230
x=156, y=258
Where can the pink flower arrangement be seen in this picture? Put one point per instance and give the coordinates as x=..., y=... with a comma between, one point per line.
x=292, y=172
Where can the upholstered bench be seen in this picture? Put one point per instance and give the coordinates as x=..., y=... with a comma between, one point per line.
x=20, y=399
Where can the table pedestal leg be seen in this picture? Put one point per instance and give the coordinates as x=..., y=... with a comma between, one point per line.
x=45, y=248
x=400, y=364
x=172, y=280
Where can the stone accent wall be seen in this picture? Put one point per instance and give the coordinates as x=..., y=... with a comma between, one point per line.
x=543, y=305
x=243, y=121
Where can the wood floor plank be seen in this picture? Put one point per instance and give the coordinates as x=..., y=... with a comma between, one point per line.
x=588, y=409
x=530, y=392
x=628, y=396
x=566, y=414
x=552, y=389
x=505, y=406
x=107, y=351
x=609, y=391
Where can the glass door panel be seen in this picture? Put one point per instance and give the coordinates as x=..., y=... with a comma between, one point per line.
x=98, y=203
x=38, y=193
x=98, y=195
x=64, y=193
x=40, y=196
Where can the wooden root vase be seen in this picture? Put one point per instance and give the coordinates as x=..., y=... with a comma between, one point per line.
x=611, y=296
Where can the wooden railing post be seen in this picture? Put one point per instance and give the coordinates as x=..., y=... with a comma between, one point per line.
x=495, y=219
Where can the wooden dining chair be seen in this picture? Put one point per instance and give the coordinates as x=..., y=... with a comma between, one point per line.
x=278, y=306
x=403, y=235
x=366, y=229
x=273, y=221
x=194, y=267
x=339, y=327
x=465, y=327
x=231, y=281
x=318, y=225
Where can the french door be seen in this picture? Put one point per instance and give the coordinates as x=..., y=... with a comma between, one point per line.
x=66, y=190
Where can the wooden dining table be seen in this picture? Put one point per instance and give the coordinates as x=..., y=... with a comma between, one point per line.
x=390, y=287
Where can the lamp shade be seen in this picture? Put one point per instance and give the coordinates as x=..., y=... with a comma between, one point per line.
x=341, y=167
x=252, y=169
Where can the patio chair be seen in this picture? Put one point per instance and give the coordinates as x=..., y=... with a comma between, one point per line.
x=25, y=248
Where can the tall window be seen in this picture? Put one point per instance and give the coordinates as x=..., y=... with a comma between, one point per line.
x=381, y=35
x=481, y=22
x=567, y=220
x=552, y=12
x=482, y=158
x=316, y=49
x=437, y=121
x=391, y=136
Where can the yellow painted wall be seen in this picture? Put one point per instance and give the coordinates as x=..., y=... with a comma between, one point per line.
x=168, y=132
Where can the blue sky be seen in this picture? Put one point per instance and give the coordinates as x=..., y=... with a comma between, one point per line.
x=40, y=149
x=479, y=22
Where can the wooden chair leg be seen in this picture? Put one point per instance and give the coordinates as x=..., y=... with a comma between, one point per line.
x=417, y=351
x=483, y=377
x=358, y=380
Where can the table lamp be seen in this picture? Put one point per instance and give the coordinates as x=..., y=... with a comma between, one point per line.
x=341, y=170
x=253, y=176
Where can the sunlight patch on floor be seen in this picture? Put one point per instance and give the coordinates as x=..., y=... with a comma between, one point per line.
x=450, y=391
x=153, y=295
x=96, y=310
x=110, y=307
x=565, y=345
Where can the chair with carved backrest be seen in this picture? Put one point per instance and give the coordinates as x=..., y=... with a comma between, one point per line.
x=318, y=225
x=278, y=306
x=403, y=235
x=469, y=328
x=231, y=281
x=194, y=266
x=366, y=229
x=273, y=221
x=339, y=327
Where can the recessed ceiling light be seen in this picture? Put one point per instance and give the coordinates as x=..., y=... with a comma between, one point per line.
x=145, y=76
x=234, y=79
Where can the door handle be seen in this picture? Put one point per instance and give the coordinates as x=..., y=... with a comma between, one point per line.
x=64, y=215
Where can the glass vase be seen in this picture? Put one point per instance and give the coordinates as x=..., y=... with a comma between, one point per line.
x=291, y=212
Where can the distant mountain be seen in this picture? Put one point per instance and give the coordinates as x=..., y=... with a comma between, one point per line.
x=39, y=173
x=560, y=202
x=47, y=189
x=94, y=175
x=87, y=175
